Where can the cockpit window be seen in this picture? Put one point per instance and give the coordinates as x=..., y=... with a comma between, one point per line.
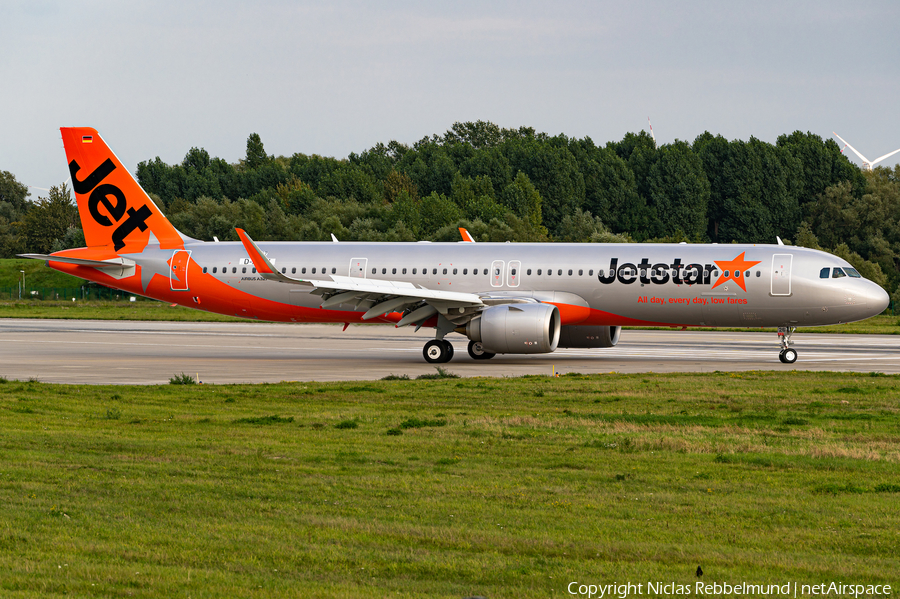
x=853, y=273
x=837, y=274
x=824, y=273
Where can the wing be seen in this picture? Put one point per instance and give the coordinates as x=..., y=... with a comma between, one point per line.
x=378, y=296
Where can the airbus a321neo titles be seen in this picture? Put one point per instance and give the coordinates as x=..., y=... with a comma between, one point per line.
x=506, y=298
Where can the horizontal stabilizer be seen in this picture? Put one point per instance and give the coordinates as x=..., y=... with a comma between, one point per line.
x=111, y=263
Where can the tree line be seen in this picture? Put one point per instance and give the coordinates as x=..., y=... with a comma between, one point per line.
x=515, y=185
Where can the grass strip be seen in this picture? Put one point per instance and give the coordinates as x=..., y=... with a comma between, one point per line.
x=492, y=487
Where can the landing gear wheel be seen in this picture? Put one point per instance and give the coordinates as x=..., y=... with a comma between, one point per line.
x=788, y=356
x=449, y=347
x=437, y=351
x=476, y=350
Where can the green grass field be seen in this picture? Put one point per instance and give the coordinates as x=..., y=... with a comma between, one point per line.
x=445, y=488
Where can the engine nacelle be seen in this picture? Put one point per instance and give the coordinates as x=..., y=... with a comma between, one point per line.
x=574, y=335
x=517, y=328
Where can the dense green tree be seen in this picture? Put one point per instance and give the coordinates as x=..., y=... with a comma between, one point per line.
x=437, y=210
x=256, y=153
x=524, y=201
x=48, y=219
x=554, y=173
x=13, y=205
x=396, y=183
x=679, y=190
x=823, y=165
x=479, y=135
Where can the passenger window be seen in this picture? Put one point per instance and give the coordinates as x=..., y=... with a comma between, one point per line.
x=737, y=274
x=853, y=273
x=314, y=270
x=214, y=270
x=496, y=271
x=570, y=272
x=528, y=272
x=204, y=270
x=600, y=273
x=303, y=270
x=549, y=272
x=445, y=271
x=254, y=270
x=294, y=270
x=465, y=271
x=283, y=269
x=757, y=274
x=384, y=271
x=643, y=272
x=393, y=271
x=404, y=271
x=234, y=270
x=434, y=271
x=539, y=271
x=726, y=273
x=454, y=271
x=580, y=272
x=333, y=270
x=514, y=272
x=414, y=271
x=559, y=272
x=824, y=273
x=837, y=273
x=243, y=270
x=373, y=271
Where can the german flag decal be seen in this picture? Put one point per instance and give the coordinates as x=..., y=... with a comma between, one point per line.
x=86, y=139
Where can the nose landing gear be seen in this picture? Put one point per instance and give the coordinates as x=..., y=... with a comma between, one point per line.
x=787, y=355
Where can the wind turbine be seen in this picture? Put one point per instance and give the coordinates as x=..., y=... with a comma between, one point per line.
x=651, y=132
x=866, y=163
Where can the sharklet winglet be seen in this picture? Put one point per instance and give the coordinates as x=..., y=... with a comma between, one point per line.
x=263, y=266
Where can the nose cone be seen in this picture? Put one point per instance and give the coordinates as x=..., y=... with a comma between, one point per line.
x=877, y=299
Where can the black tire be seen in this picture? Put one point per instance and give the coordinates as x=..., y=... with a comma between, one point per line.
x=789, y=356
x=435, y=352
x=449, y=347
x=476, y=351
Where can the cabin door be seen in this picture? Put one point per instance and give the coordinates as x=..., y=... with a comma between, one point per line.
x=178, y=270
x=781, y=274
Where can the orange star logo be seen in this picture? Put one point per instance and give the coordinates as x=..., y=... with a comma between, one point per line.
x=735, y=269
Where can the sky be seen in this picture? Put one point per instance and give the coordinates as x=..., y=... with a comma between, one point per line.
x=157, y=78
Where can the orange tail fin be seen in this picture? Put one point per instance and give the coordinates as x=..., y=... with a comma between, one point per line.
x=114, y=210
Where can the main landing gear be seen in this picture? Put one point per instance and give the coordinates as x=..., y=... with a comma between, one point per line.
x=477, y=351
x=438, y=351
x=787, y=355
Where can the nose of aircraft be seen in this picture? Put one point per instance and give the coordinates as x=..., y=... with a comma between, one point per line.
x=877, y=299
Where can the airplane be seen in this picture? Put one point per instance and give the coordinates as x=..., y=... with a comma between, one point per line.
x=505, y=298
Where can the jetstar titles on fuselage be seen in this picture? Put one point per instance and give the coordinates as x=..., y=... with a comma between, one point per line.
x=736, y=270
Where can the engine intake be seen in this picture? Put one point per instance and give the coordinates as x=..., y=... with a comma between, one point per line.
x=588, y=336
x=517, y=328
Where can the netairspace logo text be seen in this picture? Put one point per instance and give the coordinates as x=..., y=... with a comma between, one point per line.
x=701, y=589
